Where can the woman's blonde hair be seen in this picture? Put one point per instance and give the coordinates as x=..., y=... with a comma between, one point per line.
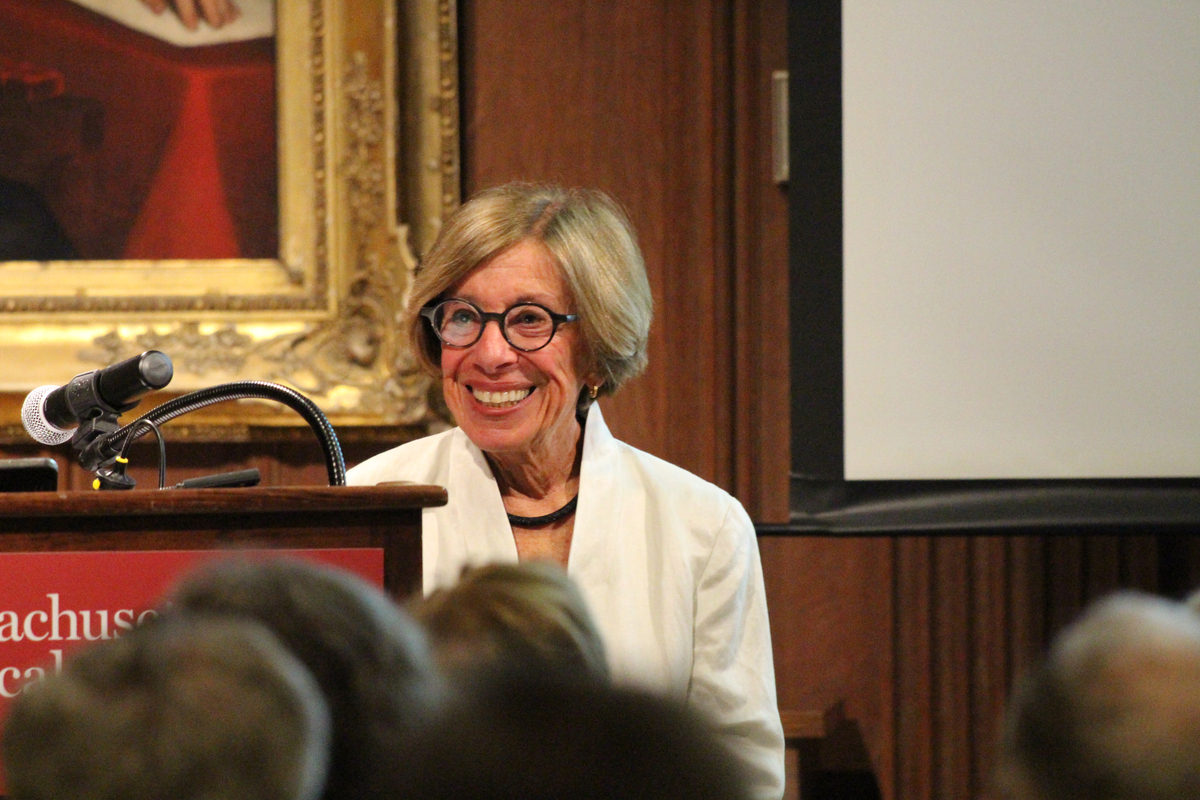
x=591, y=239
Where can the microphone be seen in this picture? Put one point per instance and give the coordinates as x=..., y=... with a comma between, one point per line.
x=51, y=413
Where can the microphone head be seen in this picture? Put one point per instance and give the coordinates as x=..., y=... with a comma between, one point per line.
x=33, y=416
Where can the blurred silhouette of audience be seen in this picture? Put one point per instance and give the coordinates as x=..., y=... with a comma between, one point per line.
x=214, y=710
x=532, y=712
x=284, y=679
x=1113, y=710
x=522, y=616
x=369, y=657
x=515, y=735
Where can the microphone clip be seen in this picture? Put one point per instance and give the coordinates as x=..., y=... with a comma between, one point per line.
x=93, y=444
x=91, y=440
x=113, y=476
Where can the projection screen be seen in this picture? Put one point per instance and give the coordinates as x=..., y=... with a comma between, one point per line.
x=1021, y=239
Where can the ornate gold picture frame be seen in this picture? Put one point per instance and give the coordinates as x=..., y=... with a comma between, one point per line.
x=368, y=165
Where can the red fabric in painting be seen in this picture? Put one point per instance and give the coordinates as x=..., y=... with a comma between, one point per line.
x=183, y=164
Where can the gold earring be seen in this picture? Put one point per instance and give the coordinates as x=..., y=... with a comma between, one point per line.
x=593, y=391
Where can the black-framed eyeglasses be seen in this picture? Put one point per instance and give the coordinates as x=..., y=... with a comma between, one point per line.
x=526, y=326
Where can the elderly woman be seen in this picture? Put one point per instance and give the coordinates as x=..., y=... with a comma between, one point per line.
x=667, y=562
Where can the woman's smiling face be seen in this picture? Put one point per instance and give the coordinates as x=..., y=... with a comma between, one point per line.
x=507, y=401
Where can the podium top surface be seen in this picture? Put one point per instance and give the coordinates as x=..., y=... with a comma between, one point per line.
x=243, y=502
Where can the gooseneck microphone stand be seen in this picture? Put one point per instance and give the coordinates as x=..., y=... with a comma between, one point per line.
x=100, y=451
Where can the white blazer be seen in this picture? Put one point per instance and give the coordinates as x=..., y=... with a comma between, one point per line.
x=667, y=562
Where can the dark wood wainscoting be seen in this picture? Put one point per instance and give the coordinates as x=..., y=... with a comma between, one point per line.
x=917, y=637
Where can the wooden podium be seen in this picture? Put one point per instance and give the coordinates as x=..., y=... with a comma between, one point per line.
x=80, y=567
x=383, y=517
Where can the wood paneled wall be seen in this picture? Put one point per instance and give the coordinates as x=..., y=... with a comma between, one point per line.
x=917, y=638
x=664, y=105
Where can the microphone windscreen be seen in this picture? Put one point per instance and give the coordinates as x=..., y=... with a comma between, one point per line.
x=33, y=416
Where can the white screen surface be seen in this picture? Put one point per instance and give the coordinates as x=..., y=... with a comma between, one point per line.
x=1022, y=239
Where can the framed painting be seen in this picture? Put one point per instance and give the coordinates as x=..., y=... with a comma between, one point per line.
x=363, y=165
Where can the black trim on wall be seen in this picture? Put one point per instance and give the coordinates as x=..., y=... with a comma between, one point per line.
x=815, y=237
x=993, y=507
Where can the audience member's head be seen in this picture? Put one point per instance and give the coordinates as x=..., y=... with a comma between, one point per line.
x=533, y=736
x=526, y=616
x=1113, y=711
x=187, y=710
x=1192, y=601
x=369, y=657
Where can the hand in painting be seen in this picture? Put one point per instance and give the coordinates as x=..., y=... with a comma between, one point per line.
x=215, y=12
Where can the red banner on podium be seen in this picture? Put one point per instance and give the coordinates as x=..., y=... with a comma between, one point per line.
x=51, y=603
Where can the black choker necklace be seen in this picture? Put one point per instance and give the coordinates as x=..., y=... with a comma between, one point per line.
x=545, y=519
